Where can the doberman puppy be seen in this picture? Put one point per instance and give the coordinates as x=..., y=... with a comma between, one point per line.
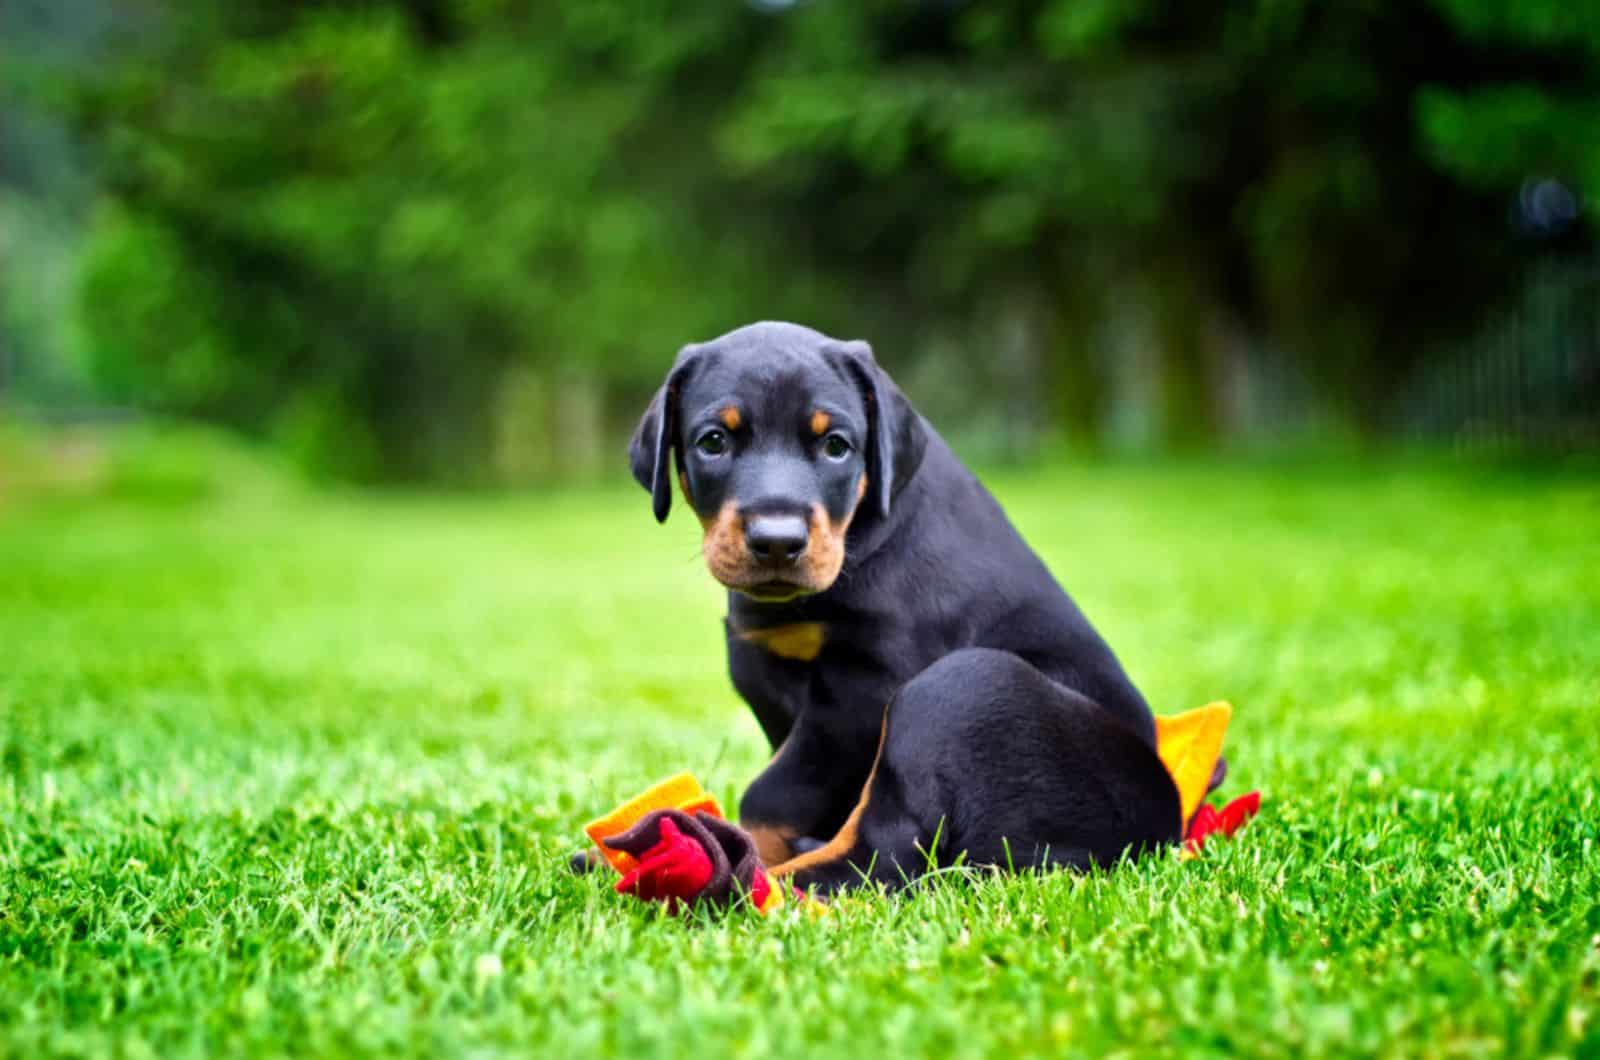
x=929, y=690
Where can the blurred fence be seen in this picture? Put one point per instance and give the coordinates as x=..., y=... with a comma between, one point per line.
x=1529, y=377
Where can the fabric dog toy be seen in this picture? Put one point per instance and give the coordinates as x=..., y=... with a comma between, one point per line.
x=672, y=844
x=1190, y=746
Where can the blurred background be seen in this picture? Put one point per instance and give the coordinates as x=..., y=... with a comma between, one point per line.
x=459, y=241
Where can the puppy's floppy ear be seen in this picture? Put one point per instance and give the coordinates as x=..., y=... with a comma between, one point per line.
x=655, y=440
x=896, y=437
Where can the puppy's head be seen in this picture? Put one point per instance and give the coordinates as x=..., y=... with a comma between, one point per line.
x=779, y=437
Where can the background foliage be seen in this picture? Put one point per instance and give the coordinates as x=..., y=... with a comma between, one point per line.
x=460, y=238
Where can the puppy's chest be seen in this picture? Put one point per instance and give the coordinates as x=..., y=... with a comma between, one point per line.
x=814, y=661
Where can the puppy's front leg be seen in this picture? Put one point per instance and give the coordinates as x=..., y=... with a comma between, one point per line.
x=807, y=790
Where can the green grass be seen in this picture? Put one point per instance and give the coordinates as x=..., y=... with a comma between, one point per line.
x=283, y=774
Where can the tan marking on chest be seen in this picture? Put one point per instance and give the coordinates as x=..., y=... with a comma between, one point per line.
x=798, y=640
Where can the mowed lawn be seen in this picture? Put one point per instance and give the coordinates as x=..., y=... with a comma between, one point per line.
x=298, y=774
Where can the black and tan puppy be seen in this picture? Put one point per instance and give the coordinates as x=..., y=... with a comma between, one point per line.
x=929, y=690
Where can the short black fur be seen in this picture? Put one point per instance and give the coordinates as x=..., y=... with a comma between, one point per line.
x=1039, y=741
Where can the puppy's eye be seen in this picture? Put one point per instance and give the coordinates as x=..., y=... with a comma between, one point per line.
x=712, y=443
x=836, y=447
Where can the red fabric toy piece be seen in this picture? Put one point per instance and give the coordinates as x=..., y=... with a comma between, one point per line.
x=685, y=859
x=760, y=889
x=676, y=868
x=1208, y=821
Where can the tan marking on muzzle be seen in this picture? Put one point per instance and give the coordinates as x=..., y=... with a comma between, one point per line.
x=730, y=562
x=824, y=558
x=723, y=545
x=799, y=640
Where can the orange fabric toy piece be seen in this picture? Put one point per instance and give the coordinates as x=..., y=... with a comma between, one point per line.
x=679, y=792
x=667, y=868
x=1189, y=745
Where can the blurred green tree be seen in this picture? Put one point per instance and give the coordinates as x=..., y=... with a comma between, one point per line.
x=1493, y=133
x=394, y=234
x=348, y=225
x=1250, y=170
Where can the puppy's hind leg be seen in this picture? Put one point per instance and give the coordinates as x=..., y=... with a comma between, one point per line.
x=1028, y=773
x=986, y=759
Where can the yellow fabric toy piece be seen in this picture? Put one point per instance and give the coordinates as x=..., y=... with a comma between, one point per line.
x=1189, y=745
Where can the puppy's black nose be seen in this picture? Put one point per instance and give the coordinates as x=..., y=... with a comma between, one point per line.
x=775, y=538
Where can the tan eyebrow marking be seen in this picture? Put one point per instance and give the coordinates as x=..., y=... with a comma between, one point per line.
x=820, y=421
x=730, y=418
